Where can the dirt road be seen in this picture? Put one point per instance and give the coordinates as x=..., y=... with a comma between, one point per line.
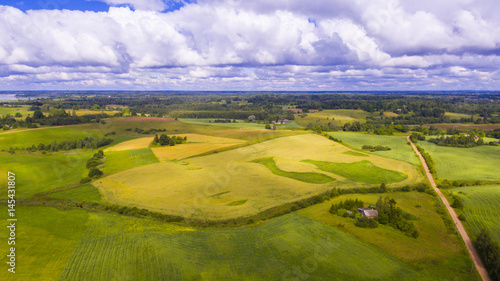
x=470, y=247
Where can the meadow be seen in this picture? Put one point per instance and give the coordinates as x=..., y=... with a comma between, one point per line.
x=87, y=193
x=211, y=122
x=289, y=247
x=480, y=203
x=453, y=163
x=37, y=173
x=191, y=184
x=400, y=150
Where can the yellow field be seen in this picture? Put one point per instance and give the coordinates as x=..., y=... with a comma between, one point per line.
x=196, y=144
x=131, y=144
x=204, y=187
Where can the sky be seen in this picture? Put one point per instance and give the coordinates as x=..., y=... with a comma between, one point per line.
x=257, y=45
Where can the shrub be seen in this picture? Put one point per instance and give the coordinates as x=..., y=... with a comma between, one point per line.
x=95, y=173
x=462, y=217
x=457, y=203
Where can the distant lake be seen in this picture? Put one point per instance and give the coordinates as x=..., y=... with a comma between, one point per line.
x=4, y=97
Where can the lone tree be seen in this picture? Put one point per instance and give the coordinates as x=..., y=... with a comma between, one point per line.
x=251, y=118
x=156, y=140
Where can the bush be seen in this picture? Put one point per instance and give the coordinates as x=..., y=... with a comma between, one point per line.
x=366, y=223
x=85, y=180
x=95, y=173
x=462, y=217
x=457, y=203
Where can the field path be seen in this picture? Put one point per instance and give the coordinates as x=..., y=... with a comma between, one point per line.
x=470, y=247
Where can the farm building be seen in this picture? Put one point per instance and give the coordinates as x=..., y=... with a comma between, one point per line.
x=369, y=213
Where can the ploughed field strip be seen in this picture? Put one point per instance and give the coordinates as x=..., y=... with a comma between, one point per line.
x=258, y=177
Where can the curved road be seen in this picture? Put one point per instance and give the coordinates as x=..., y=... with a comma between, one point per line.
x=470, y=247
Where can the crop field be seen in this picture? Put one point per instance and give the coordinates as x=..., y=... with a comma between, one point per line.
x=292, y=246
x=210, y=122
x=341, y=116
x=131, y=144
x=196, y=144
x=189, y=186
x=45, y=240
x=439, y=252
x=254, y=136
x=45, y=136
x=305, y=177
x=86, y=193
x=453, y=163
x=363, y=171
x=36, y=173
x=480, y=204
x=400, y=150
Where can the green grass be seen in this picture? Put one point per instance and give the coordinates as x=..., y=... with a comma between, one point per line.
x=45, y=136
x=305, y=177
x=292, y=246
x=453, y=163
x=353, y=153
x=86, y=193
x=436, y=251
x=363, y=171
x=45, y=240
x=36, y=172
x=400, y=150
x=480, y=208
x=122, y=160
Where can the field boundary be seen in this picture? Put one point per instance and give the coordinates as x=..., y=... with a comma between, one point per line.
x=461, y=230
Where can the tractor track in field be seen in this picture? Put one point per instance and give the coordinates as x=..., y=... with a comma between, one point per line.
x=478, y=263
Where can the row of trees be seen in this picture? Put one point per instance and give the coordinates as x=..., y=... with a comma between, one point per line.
x=376, y=148
x=87, y=142
x=464, y=141
x=489, y=251
x=92, y=164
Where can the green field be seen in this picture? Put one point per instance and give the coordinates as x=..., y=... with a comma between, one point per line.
x=87, y=193
x=122, y=160
x=292, y=246
x=36, y=173
x=13, y=110
x=400, y=150
x=436, y=251
x=480, y=203
x=210, y=122
x=190, y=187
x=363, y=171
x=45, y=240
x=305, y=177
x=37, y=136
x=453, y=163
